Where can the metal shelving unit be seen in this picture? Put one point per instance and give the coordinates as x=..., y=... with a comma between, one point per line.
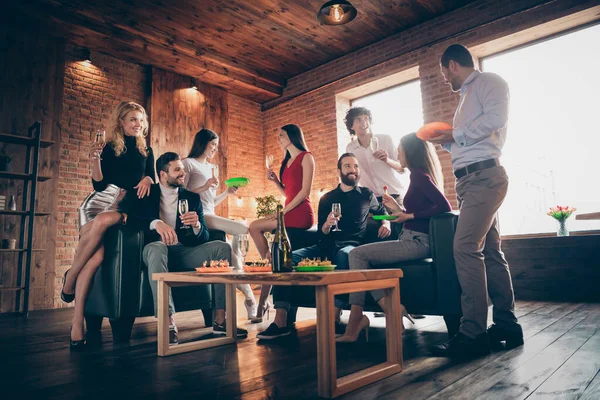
x=30, y=179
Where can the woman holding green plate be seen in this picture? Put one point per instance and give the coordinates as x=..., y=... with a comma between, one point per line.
x=295, y=183
x=424, y=199
x=202, y=177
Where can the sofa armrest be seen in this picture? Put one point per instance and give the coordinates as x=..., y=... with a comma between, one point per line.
x=116, y=287
x=441, y=241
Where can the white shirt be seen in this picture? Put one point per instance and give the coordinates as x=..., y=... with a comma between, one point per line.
x=374, y=173
x=169, y=198
x=196, y=175
x=479, y=127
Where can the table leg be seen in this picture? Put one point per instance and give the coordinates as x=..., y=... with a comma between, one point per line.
x=326, y=363
x=164, y=349
x=392, y=365
x=163, y=318
x=230, y=308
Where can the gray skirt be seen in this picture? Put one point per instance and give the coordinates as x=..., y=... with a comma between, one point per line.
x=107, y=200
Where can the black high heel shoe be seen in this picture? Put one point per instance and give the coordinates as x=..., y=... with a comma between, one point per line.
x=66, y=297
x=76, y=344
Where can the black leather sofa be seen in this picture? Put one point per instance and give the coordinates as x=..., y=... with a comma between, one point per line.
x=121, y=288
x=429, y=286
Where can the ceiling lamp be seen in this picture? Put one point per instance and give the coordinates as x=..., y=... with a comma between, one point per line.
x=336, y=13
x=87, y=55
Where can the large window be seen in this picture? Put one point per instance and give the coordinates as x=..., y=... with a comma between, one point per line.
x=396, y=111
x=553, y=141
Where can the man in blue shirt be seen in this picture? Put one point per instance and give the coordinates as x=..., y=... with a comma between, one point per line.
x=475, y=142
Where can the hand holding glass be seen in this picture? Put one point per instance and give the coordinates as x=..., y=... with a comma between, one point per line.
x=99, y=139
x=183, y=208
x=269, y=161
x=336, y=209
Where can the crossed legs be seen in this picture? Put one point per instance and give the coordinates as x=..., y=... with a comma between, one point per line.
x=88, y=257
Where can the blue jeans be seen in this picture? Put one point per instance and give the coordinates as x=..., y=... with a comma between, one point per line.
x=281, y=294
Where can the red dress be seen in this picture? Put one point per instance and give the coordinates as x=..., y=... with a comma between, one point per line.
x=302, y=216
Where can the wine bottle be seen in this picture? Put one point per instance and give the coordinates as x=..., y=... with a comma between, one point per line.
x=281, y=250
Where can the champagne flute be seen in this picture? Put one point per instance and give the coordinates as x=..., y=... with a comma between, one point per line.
x=269, y=161
x=183, y=208
x=336, y=209
x=244, y=246
x=99, y=138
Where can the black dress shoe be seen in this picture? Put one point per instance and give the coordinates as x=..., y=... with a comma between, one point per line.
x=513, y=337
x=463, y=347
x=66, y=297
x=173, y=334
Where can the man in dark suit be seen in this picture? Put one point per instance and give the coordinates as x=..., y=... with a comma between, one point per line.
x=170, y=243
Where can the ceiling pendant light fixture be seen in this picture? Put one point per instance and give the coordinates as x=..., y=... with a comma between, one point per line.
x=336, y=12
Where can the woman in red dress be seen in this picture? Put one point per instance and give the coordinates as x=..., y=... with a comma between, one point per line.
x=295, y=183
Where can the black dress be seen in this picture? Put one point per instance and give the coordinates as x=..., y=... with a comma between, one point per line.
x=119, y=176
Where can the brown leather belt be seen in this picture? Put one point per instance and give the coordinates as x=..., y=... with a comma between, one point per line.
x=478, y=166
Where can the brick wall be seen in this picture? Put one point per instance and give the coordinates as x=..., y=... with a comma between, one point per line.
x=246, y=158
x=310, y=98
x=91, y=92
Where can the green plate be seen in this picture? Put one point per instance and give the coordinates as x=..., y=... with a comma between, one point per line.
x=237, y=182
x=314, y=268
x=384, y=217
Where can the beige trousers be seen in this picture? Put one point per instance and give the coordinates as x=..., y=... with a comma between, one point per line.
x=480, y=264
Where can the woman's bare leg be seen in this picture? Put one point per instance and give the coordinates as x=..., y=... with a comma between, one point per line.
x=84, y=281
x=257, y=231
x=89, y=241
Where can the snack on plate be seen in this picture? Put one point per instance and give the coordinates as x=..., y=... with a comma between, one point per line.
x=310, y=262
x=216, y=264
x=258, y=266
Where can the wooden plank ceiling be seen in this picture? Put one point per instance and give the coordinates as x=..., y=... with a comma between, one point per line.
x=248, y=47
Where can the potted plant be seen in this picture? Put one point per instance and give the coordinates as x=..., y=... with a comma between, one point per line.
x=266, y=205
x=5, y=160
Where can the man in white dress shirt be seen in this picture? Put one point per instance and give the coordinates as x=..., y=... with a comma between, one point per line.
x=475, y=142
x=377, y=156
x=170, y=245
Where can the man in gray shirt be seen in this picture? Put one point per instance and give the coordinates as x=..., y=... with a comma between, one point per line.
x=475, y=142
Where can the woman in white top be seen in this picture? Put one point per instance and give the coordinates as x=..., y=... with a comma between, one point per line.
x=202, y=177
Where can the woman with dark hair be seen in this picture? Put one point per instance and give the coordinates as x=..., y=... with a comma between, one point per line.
x=295, y=183
x=424, y=199
x=202, y=177
x=121, y=170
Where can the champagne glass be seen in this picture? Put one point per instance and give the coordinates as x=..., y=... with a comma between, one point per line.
x=244, y=246
x=269, y=161
x=99, y=138
x=336, y=209
x=183, y=208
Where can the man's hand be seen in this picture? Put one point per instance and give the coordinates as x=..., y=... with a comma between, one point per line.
x=381, y=155
x=330, y=221
x=444, y=136
x=190, y=219
x=167, y=234
x=384, y=230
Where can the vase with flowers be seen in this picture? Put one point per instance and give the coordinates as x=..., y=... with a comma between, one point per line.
x=561, y=214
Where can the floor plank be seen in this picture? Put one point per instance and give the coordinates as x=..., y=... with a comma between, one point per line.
x=560, y=353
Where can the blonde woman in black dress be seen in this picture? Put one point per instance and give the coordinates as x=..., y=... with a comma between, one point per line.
x=121, y=170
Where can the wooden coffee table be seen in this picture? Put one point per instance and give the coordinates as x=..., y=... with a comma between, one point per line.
x=327, y=285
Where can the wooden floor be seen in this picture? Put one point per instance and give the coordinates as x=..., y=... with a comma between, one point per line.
x=560, y=359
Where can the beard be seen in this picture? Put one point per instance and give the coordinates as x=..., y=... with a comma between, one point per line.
x=350, y=181
x=174, y=182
